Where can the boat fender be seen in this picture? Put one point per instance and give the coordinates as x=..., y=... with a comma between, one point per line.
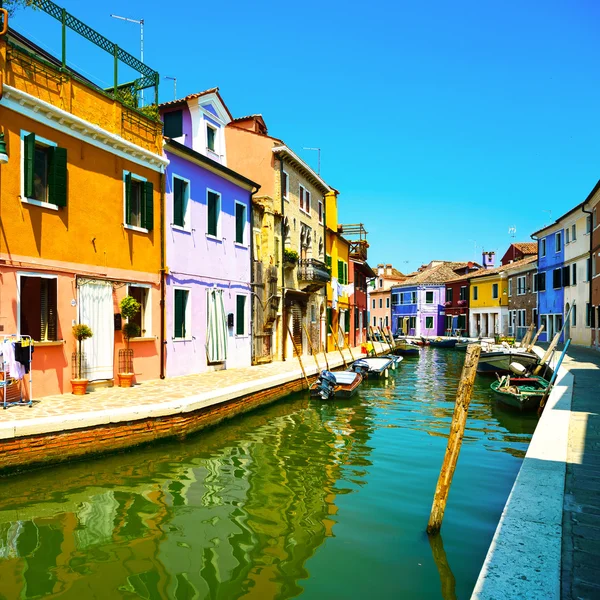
x=517, y=368
x=385, y=373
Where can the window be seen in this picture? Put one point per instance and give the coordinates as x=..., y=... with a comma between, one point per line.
x=320, y=212
x=588, y=315
x=44, y=171
x=588, y=269
x=574, y=274
x=535, y=316
x=510, y=287
x=373, y=302
x=566, y=276
x=240, y=222
x=428, y=322
x=594, y=267
x=475, y=292
x=449, y=294
x=567, y=235
x=521, y=286
x=588, y=224
x=374, y=321
x=139, y=202
x=395, y=299
x=181, y=195
x=428, y=297
x=380, y=302
x=387, y=323
x=413, y=299
x=542, y=244
x=557, y=278
x=495, y=291
x=412, y=323
x=144, y=318
x=211, y=136
x=304, y=199
x=541, y=281
x=573, y=232
x=240, y=315
x=213, y=206
x=181, y=320
x=381, y=283
x=285, y=186
x=544, y=322
x=387, y=302
x=558, y=242
x=38, y=307
x=521, y=318
x=463, y=294
x=574, y=316
x=173, y=124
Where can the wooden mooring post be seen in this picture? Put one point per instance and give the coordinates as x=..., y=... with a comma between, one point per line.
x=338, y=347
x=298, y=352
x=457, y=431
x=344, y=338
x=311, y=347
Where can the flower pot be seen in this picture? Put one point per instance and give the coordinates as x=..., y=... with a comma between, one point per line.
x=79, y=386
x=125, y=380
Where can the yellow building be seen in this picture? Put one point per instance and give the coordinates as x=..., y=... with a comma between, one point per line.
x=80, y=211
x=338, y=289
x=488, y=304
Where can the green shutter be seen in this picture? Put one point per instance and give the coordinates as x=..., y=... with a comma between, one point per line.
x=178, y=189
x=329, y=319
x=212, y=214
x=148, y=217
x=240, y=212
x=347, y=322
x=28, y=164
x=328, y=260
x=128, y=198
x=340, y=271
x=57, y=176
x=180, y=306
x=345, y=273
x=240, y=315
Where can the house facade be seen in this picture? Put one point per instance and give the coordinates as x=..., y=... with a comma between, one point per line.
x=208, y=238
x=593, y=230
x=80, y=208
x=379, y=295
x=293, y=197
x=522, y=295
x=456, y=306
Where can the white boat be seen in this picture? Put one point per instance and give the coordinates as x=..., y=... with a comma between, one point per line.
x=498, y=361
x=374, y=366
x=339, y=384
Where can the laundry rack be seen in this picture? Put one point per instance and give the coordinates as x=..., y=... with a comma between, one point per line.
x=12, y=389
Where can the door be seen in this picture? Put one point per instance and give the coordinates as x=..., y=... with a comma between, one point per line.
x=297, y=327
x=360, y=327
x=96, y=310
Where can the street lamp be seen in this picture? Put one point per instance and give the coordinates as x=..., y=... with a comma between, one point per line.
x=140, y=22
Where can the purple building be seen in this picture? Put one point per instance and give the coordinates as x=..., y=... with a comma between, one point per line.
x=207, y=230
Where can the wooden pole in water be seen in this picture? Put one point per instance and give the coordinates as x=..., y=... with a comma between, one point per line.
x=298, y=355
x=457, y=430
x=311, y=347
x=527, y=337
x=344, y=338
x=384, y=337
x=535, y=339
x=391, y=336
x=338, y=347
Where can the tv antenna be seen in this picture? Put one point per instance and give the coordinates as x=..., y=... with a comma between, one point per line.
x=512, y=231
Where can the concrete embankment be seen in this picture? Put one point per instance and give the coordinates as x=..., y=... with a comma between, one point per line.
x=546, y=543
x=61, y=428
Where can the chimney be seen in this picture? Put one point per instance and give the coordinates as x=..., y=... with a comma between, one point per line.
x=388, y=270
x=488, y=259
x=380, y=269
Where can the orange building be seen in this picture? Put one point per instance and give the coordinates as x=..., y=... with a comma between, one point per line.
x=80, y=206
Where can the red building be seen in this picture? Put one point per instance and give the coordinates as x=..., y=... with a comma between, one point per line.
x=359, y=273
x=519, y=251
x=456, y=306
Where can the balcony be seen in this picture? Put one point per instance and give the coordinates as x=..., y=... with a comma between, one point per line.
x=312, y=274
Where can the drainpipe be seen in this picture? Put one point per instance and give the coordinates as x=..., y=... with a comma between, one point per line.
x=252, y=300
x=591, y=308
x=283, y=311
x=163, y=340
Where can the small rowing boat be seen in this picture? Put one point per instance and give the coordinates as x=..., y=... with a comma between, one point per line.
x=443, y=342
x=523, y=393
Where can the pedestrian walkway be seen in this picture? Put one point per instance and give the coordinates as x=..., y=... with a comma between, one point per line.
x=158, y=398
x=580, y=577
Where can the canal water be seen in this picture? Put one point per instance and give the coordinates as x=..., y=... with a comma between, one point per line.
x=302, y=498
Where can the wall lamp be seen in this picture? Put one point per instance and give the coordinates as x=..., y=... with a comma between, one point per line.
x=3, y=153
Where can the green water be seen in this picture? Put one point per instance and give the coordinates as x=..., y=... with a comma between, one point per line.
x=299, y=498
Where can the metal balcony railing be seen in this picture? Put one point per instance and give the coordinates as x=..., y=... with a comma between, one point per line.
x=313, y=271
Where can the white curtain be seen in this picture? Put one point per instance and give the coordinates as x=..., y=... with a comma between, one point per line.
x=216, y=330
x=96, y=310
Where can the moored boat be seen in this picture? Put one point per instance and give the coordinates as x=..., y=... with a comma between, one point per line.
x=498, y=361
x=373, y=367
x=406, y=348
x=443, y=342
x=341, y=384
x=523, y=393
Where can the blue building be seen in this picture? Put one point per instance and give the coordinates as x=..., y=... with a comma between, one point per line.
x=550, y=281
x=404, y=310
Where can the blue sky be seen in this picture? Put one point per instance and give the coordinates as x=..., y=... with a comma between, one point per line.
x=442, y=124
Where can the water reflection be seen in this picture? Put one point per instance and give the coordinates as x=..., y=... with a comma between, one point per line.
x=245, y=509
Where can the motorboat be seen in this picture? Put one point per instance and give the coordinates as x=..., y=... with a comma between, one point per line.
x=406, y=348
x=499, y=360
x=374, y=367
x=339, y=384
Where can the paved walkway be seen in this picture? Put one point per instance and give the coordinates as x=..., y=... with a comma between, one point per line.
x=157, y=397
x=580, y=577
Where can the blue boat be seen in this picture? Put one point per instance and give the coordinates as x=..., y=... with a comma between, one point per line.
x=442, y=342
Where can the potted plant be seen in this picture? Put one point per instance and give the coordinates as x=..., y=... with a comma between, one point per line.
x=130, y=307
x=290, y=257
x=78, y=382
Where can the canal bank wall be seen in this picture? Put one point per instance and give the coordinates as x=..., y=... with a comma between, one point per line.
x=524, y=558
x=62, y=428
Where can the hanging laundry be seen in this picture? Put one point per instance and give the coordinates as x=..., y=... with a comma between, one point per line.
x=15, y=369
x=22, y=354
x=335, y=292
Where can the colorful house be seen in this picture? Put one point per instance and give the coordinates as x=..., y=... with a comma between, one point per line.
x=207, y=219
x=522, y=295
x=456, y=306
x=289, y=234
x=379, y=295
x=551, y=259
x=418, y=303
x=80, y=209
x=339, y=289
